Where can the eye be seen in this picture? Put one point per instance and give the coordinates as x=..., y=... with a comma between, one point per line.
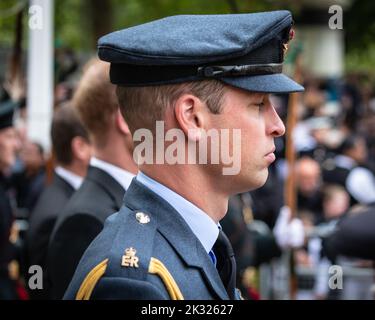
x=259, y=105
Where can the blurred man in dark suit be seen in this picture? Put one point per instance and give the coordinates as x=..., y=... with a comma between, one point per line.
x=72, y=152
x=28, y=183
x=110, y=173
x=309, y=185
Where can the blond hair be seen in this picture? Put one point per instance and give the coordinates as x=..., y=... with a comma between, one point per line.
x=95, y=100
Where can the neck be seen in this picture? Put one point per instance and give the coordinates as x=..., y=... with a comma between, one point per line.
x=184, y=179
x=117, y=154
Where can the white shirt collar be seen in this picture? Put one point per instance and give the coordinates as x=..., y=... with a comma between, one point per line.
x=73, y=179
x=123, y=177
x=204, y=228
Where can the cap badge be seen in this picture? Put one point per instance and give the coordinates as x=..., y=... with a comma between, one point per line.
x=286, y=44
x=142, y=218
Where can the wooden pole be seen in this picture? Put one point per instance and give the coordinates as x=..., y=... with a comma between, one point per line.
x=292, y=118
x=290, y=183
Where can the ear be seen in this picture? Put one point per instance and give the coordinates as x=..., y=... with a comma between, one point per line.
x=191, y=115
x=80, y=148
x=121, y=124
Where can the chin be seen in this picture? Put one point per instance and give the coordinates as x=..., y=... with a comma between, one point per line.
x=250, y=183
x=261, y=179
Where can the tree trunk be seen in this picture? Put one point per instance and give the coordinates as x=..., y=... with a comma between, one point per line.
x=100, y=18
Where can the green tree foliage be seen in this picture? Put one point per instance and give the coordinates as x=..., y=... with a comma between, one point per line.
x=71, y=28
x=359, y=25
x=76, y=18
x=131, y=12
x=79, y=23
x=8, y=12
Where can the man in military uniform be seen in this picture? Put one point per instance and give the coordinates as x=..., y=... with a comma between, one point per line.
x=194, y=73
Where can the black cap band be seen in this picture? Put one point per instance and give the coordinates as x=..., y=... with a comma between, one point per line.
x=267, y=59
x=244, y=70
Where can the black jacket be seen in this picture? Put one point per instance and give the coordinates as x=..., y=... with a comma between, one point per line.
x=6, y=220
x=42, y=221
x=80, y=222
x=354, y=237
x=7, y=249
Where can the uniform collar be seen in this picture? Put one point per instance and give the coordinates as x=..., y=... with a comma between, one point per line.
x=204, y=228
x=73, y=179
x=123, y=177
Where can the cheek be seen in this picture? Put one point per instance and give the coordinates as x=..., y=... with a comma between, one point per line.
x=253, y=137
x=252, y=134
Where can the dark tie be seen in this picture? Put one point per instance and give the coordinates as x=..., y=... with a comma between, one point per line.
x=226, y=263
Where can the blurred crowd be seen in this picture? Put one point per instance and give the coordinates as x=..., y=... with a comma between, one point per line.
x=335, y=185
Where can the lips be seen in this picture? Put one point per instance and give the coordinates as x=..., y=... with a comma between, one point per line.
x=270, y=156
x=271, y=151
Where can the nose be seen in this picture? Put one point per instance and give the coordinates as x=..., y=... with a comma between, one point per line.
x=275, y=126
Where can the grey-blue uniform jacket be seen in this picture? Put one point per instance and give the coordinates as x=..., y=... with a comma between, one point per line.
x=146, y=251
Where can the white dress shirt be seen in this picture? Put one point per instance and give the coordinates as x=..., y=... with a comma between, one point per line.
x=73, y=179
x=123, y=177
